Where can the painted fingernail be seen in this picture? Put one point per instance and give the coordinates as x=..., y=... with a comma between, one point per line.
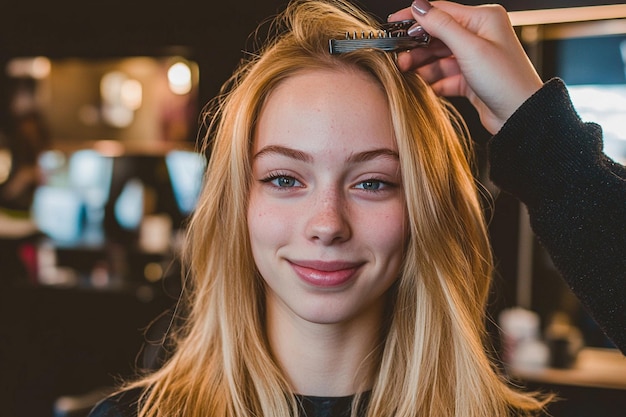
x=416, y=31
x=421, y=6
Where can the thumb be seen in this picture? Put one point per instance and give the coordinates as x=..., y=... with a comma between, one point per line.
x=440, y=21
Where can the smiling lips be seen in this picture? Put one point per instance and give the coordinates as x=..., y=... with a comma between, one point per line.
x=325, y=274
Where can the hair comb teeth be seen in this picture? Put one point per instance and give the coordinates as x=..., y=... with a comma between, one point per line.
x=393, y=37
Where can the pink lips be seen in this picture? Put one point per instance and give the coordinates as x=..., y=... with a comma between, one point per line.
x=325, y=274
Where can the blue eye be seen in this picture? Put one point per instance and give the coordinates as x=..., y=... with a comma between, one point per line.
x=371, y=185
x=283, y=181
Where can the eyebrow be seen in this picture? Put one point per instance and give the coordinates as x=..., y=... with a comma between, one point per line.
x=303, y=156
x=282, y=150
x=373, y=154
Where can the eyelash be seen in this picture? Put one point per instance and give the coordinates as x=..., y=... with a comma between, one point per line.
x=383, y=185
x=275, y=176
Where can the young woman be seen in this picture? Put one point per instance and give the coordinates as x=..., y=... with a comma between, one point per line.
x=339, y=260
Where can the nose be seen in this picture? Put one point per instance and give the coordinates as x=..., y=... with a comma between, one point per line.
x=328, y=221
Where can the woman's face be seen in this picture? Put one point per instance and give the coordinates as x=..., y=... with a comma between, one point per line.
x=327, y=217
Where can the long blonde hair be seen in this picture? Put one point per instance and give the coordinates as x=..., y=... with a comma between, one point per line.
x=433, y=360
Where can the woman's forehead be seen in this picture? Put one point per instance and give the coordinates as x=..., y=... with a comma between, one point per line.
x=323, y=104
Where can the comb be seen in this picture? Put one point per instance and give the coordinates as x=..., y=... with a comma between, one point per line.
x=392, y=37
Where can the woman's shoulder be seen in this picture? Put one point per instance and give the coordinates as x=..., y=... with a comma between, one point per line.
x=120, y=404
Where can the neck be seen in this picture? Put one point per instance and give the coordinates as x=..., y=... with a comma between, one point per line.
x=326, y=360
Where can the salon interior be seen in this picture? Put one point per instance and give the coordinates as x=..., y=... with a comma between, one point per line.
x=100, y=169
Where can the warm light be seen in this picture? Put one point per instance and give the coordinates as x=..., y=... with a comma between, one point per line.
x=40, y=67
x=130, y=94
x=121, y=96
x=37, y=67
x=110, y=148
x=117, y=115
x=179, y=77
x=5, y=165
x=153, y=271
x=110, y=86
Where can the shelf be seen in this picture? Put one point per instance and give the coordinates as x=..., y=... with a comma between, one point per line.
x=594, y=368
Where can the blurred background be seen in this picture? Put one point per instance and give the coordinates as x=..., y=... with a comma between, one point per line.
x=100, y=107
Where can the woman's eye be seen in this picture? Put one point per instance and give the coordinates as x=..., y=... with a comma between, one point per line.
x=283, y=181
x=371, y=185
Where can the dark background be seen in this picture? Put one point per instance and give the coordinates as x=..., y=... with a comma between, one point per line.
x=55, y=342
x=212, y=32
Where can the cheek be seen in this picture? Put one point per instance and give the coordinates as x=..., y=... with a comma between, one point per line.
x=268, y=225
x=388, y=231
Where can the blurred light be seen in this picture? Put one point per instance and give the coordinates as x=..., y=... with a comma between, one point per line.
x=153, y=271
x=186, y=172
x=121, y=96
x=111, y=85
x=179, y=77
x=129, y=206
x=5, y=165
x=622, y=52
x=109, y=148
x=58, y=213
x=51, y=160
x=40, y=67
x=90, y=174
x=605, y=105
x=130, y=94
x=52, y=164
x=117, y=115
x=37, y=67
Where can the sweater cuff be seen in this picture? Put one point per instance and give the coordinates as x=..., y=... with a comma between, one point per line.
x=544, y=147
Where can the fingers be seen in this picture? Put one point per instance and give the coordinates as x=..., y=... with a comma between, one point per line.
x=453, y=28
x=403, y=14
x=457, y=25
x=449, y=20
x=450, y=86
x=440, y=70
x=441, y=24
x=419, y=57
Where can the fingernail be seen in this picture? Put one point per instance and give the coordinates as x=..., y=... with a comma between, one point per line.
x=421, y=6
x=416, y=31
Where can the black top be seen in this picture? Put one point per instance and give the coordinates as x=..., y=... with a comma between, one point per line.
x=576, y=199
x=125, y=405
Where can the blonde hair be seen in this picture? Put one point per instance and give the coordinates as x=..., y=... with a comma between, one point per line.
x=433, y=360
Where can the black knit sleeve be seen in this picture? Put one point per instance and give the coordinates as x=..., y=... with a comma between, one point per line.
x=551, y=160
